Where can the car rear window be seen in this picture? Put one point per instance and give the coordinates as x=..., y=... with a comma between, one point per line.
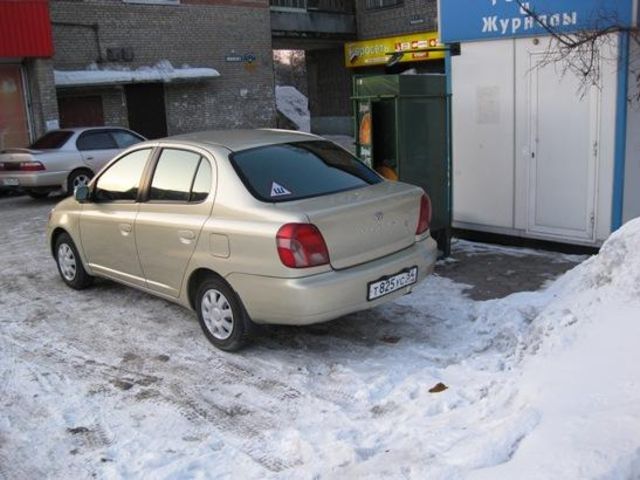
x=51, y=140
x=292, y=171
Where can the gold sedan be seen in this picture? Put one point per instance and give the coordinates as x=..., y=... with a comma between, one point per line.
x=245, y=226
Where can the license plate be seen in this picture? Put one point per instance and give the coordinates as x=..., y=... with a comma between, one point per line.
x=10, y=182
x=387, y=285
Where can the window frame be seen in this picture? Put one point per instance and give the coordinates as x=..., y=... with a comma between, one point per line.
x=145, y=192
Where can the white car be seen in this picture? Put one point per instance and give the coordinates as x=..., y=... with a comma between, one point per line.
x=62, y=159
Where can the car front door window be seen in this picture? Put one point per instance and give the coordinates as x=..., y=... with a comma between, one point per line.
x=121, y=181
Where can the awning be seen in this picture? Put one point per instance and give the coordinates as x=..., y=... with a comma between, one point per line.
x=161, y=72
x=25, y=29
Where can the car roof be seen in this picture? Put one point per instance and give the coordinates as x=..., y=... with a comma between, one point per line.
x=85, y=129
x=236, y=140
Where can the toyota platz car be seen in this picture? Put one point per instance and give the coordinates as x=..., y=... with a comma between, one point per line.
x=242, y=226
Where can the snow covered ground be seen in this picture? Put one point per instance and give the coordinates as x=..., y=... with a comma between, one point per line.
x=294, y=105
x=114, y=383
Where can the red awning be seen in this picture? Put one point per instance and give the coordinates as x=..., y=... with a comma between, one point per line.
x=25, y=29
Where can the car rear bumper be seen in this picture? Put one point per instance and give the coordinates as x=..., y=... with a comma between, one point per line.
x=326, y=296
x=33, y=179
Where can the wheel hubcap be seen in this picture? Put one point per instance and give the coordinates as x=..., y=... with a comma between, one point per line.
x=67, y=262
x=81, y=180
x=217, y=314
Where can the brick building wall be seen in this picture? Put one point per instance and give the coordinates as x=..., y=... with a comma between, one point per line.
x=197, y=33
x=42, y=93
x=407, y=17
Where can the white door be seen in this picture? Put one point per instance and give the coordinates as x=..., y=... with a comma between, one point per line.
x=564, y=153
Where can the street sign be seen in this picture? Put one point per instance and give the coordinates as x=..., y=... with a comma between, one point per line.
x=466, y=20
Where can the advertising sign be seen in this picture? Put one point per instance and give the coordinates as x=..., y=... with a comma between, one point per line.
x=466, y=20
x=365, y=145
x=368, y=53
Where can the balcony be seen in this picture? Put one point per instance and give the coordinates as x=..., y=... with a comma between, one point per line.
x=328, y=20
x=333, y=6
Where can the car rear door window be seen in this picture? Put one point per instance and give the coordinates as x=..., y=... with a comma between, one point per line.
x=121, y=180
x=175, y=177
x=293, y=171
x=101, y=140
x=125, y=139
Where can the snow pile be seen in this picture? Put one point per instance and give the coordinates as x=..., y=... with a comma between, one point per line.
x=163, y=71
x=294, y=105
x=580, y=368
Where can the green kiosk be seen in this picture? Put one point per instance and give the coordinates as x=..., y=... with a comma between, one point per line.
x=403, y=132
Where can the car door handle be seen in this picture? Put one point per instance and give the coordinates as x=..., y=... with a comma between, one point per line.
x=125, y=229
x=186, y=236
x=89, y=158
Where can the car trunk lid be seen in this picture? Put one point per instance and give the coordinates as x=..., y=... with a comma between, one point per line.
x=364, y=224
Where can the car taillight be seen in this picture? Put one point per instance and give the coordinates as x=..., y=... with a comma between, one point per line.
x=301, y=245
x=425, y=214
x=31, y=166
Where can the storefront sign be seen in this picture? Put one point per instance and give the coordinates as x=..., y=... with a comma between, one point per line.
x=465, y=20
x=377, y=52
x=25, y=29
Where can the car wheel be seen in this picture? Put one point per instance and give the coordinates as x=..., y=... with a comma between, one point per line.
x=69, y=264
x=37, y=194
x=222, y=317
x=78, y=178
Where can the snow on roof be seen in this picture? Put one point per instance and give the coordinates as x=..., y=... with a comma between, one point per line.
x=162, y=71
x=294, y=105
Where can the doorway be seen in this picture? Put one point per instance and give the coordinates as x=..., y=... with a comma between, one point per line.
x=146, y=110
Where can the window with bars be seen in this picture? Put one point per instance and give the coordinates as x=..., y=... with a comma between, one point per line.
x=374, y=4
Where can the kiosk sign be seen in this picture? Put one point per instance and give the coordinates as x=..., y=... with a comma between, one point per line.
x=467, y=20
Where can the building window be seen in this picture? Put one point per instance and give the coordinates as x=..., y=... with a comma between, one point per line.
x=374, y=4
x=154, y=2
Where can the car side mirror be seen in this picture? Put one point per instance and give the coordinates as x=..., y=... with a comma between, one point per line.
x=82, y=193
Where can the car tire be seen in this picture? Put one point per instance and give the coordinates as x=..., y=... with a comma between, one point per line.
x=221, y=314
x=37, y=194
x=69, y=263
x=78, y=177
